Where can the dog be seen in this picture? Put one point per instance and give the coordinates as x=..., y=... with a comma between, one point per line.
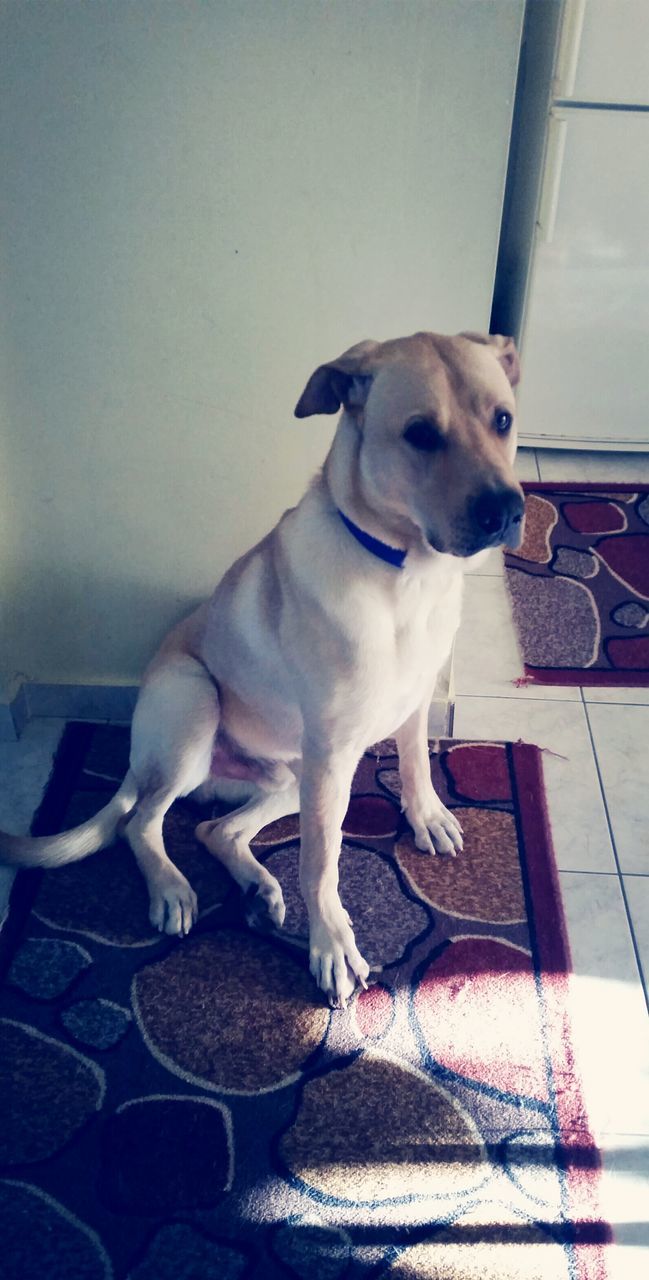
x=326, y=637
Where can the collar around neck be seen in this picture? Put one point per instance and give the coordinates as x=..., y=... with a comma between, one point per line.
x=382, y=550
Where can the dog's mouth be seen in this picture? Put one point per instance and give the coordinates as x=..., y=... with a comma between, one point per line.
x=492, y=518
x=469, y=543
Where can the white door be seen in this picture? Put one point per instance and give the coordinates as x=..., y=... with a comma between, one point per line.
x=604, y=51
x=585, y=344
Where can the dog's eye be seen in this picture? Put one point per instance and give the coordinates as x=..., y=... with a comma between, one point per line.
x=502, y=421
x=423, y=435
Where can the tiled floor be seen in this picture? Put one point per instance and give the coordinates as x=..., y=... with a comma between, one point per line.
x=597, y=781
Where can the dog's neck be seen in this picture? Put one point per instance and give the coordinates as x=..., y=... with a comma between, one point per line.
x=382, y=550
x=341, y=476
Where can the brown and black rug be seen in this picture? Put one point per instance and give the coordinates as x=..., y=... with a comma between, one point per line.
x=579, y=584
x=191, y=1110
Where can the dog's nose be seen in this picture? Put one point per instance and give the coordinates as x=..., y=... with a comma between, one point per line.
x=499, y=514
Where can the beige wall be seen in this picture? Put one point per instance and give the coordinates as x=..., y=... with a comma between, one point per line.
x=202, y=202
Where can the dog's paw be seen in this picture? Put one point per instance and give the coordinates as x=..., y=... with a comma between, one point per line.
x=335, y=961
x=173, y=906
x=435, y=828
x=265, y=902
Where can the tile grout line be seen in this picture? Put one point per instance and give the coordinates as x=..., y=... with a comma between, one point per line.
x=523, y=697
x=620, y=875
x=614, y=704
x=579, y=871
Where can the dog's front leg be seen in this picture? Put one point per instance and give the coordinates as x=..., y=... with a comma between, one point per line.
x=336, y=963
x=435, y=828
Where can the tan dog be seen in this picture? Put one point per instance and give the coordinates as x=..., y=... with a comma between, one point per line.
x=325, y=638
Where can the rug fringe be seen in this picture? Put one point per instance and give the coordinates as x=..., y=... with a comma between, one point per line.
x=545, y=751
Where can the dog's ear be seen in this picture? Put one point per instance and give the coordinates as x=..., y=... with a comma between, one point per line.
x=346, y=380
x=505, y=349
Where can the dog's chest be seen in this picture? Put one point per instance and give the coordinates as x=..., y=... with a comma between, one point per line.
x=426, y=617
x=415, y=644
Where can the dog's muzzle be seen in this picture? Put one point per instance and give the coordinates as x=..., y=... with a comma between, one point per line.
x=497, y=516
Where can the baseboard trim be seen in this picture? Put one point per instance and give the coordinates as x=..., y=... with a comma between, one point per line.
x=117, y=702
x=66, y=702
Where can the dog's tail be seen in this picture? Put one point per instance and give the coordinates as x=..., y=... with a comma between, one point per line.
x=71, y=846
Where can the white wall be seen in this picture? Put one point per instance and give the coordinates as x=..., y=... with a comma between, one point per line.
x=202, y=201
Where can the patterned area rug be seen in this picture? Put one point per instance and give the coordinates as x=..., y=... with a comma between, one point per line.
x=191, y=1109
x=579, y=584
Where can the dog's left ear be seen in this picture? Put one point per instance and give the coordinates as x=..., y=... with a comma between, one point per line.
x=505, y=350
x=346, y=380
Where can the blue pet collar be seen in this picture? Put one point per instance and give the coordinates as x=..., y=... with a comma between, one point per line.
x=391, y=555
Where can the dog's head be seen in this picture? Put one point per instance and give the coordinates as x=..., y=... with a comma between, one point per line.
x=436, y=432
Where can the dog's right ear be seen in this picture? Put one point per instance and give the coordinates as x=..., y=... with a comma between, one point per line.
x=505, y=350
x=346, y=380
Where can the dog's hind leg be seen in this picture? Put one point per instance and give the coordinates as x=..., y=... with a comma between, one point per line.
x=173, y=731
x=229, y=839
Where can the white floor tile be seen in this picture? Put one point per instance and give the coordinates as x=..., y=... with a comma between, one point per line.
x=487, y=659
x=621, y=737
x=637, y=697
x=579, y=827
x=569, y=464
x=611, y=1038
x=624, y=1198
x=607, y=1004
x=637, y=892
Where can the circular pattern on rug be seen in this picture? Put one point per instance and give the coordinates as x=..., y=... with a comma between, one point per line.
x=375, y=1131
x=594, y=517
x=484, y=882
x=478, y=771
x=117, y=911
x=540, y=518
x=485, y=983
x=42, y=1238
x=163, y=1155
x=631, y=614
x=628, y=560
x=178, y=1252
x=205, y=983
x=386, y=921
x=277, y=832
x=557, y=620
x=575, y=563
x=391, y=780
x=45, y=967
x=371, y=817
x=474, y=1248
x=47, y=1093
x=630, y=654
x=97, y=1024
